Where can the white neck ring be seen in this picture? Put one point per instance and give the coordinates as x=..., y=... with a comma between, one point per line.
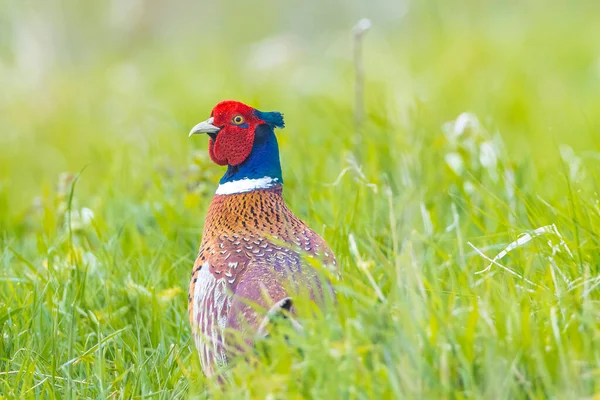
x=247, y=185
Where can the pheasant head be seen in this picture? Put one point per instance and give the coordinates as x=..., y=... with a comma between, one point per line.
x=243, y=138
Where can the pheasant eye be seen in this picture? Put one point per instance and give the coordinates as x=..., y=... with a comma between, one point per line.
x=238, y=120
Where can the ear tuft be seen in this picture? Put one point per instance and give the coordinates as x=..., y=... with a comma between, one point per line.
x=273, y=118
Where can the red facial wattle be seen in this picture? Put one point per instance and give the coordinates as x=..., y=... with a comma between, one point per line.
x=213, y=156
x=232, y=145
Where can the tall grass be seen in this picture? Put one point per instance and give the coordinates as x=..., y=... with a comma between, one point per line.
x=481, y=126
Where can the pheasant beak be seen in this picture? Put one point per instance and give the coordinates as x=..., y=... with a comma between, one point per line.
x=205, y=127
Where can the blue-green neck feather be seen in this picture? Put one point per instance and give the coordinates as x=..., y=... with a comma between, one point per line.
x=262, y=162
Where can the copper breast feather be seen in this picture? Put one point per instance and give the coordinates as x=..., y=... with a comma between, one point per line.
x=249, y=265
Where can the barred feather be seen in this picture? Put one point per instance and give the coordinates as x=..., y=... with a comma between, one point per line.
x=249, y=260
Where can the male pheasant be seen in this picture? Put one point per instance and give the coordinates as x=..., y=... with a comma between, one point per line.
x=250, y=264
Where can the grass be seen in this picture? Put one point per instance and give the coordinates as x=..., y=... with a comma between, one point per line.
x=481, y=126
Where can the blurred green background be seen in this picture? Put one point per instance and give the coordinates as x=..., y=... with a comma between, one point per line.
x=103, y=196
x=118, y=82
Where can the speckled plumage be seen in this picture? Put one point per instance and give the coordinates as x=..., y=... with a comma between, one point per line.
x=251, y=259
x=250, y=250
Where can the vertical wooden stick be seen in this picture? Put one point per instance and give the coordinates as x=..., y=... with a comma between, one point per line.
x=358, y=32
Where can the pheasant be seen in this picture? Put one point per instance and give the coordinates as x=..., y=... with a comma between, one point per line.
x=250, y=266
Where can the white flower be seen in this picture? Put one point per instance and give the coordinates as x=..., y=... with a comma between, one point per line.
x=469, y=187
x=455, y=162
x=487, y=155
x=81, y=219
x=464, y=121
x=87, y=216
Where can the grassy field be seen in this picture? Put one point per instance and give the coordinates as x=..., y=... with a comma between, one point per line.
x=465, y=214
